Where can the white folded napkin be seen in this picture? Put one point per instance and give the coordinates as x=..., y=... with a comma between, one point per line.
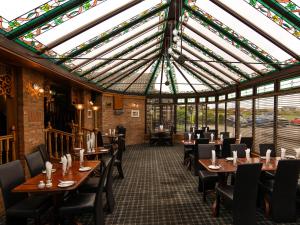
x=297, y=150
x=205, y=129
x=109, y=131
x=69, y=160
x=190, y=136
x=114, y=131
x=88, y=143
x=198, y=136
x=213, y=157
x=240, y=138
x=234, y=153
x=93, y=140
x=212, y=137
x=247, y=154
x=268, y=155
x=161, y=127
x=283, y=150
x=81, y=153
x=221, y=137
x=48, y=166
x=64, y=162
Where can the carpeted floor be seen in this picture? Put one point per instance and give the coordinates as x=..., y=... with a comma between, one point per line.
x=159, y=190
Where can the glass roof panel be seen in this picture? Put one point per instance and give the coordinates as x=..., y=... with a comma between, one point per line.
x=114, y=63
x=120, y=39
x=207, y=57
x=140, y=84
x=235, y=49
x=51, y=35
x=9, y=10
x=208, y=67
x=164, y=88
x=251, y=14
x=218, y=51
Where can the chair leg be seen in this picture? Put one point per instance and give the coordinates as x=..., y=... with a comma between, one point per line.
x=15, y=221
x=120, y=170
x=204, y=192
x=216, y=206
x=200, y=185
x=110, y=201
x=267, y=207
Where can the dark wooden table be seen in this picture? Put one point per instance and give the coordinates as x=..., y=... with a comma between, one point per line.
x=193, y=142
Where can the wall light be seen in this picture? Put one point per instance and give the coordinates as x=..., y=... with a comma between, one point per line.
x=34, y=89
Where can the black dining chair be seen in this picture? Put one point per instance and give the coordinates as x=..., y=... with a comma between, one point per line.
x=264, y=147
x=240, y=149
x=44, y=152
x=119, y=157
x=248, y=141
x=199, y=133
x=87, y=202
x=242, y=195
x=280, y=193
x=193, y=155
x=35, y=163
x=225, y=134
x=225, y=150
x=208, y=135
x=91, y=184
x=207, y=180
x=205, y=128
x=187, y=149
x=18, y=206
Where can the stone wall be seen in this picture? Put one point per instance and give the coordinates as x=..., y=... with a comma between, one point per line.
x=135, y=126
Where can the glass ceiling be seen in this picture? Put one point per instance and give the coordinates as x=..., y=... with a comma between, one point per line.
x=224, y=42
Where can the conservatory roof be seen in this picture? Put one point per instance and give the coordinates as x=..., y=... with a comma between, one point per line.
x=132, y=48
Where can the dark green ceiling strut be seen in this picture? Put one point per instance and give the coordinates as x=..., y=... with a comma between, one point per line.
x=113, y=33
x=36, y=22
x=152, y=76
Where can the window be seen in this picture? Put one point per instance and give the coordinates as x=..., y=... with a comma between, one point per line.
x=211, y=116
x=153, y=117
x=152, y=100
x=230, y=118
x=264, y=121
x=191, y=100
x=180, y=118
x=190, y=116
x=246, y=118
x=211, y=99
x=181, y=100
x=247, y=92
x=167, y=116
x=201, y=115
x=265, y=88
x=221, y=117
x=231, y=95
x=202, y=99
x=222, y=97
x=290, y=83
x=288, y=121
x=166, y=100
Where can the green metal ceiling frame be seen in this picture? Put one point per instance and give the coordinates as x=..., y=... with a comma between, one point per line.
x=152, y=76
x=231, y=37
x=172, y=76
x=113, y=33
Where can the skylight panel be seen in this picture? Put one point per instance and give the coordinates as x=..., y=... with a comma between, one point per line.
x=15, y=8
x=100, y=28
x=251, y=14
x=120, y=39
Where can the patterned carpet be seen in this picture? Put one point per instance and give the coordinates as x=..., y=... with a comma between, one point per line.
x=159, y=190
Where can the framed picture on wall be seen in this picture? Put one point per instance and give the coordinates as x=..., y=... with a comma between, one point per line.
x=89, y=114
x=135, y=113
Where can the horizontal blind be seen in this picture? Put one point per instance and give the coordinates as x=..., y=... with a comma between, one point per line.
x=246, y=118
x=264, y=121
x=288, y=120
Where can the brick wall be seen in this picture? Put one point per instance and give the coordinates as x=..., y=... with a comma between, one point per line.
x=135, y=126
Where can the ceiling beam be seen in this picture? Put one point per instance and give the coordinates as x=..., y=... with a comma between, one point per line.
x=171, y=77
x=206, y=70
x=224, y=49
x=185, y=78
x=118, y=55
x=90, y=25
x=210, y=64
x=256, y=29
x=283, y=12
x=118, y=45
x=228, y=65
x=141, y=74
x=125, y=66
x=118, y=79
x=38, y=21
x=152, y=77
x=162, y=72
x=113, y=33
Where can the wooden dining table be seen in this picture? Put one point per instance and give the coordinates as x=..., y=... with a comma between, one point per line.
x=193, y=142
